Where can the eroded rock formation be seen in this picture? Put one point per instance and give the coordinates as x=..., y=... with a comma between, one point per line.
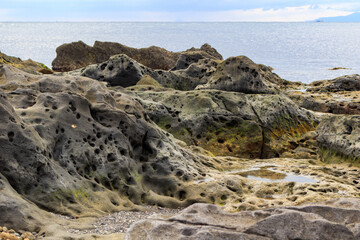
x=29, y=65
x=343, y=83
x=338, y=137
x=236, y=74
x=72, y=144
x=76, y=55
x=118, y=134
x=240, y=74
x=230, y=123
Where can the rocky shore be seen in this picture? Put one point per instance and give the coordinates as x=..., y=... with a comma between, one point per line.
x=217, y=149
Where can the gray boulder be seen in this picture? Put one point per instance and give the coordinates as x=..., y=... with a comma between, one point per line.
x=343, y=83
x=230, y=123
x=240, y=74
x=204, y=221
x=338, y=138
x=119, y=70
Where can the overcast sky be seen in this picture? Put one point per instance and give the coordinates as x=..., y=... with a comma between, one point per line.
x=173, y=10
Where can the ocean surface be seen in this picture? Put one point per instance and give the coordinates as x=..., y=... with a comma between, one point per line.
x=297, y=51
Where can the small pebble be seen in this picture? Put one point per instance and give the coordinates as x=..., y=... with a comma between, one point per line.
x=28, y=235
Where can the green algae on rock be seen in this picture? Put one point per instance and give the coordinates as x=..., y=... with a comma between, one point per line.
x=338, y=139
x=229, y=123
x=29, y=65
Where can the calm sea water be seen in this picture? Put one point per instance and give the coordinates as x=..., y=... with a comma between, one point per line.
x=297, y=51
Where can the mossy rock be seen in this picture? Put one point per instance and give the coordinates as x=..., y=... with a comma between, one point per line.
x=148, y=80
x=29, y=65
x=230, y=123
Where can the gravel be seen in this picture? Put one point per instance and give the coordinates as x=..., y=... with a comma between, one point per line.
x=120, y=222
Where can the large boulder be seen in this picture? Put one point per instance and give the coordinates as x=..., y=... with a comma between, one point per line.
x=119, y=70
x=240, y=74
x=76, y=55
x=193, y=55
x=319, y=95
x=210, y=222
x=338, y=138
x=343, y=83
x=230, y=123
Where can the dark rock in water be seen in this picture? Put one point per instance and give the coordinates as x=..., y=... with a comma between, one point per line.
x=240, y=74
x=343, y=83
x=339, y=103
x=77, y=55
x=204, y=221
x=319, y=95
x=229, y=123
x=73, y=56
x=338, y=138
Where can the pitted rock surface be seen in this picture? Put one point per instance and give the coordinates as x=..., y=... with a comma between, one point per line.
x=236, y=74
x=77, y=55
x=240, y=74
x=229, y=123
x=74, y=140
x=343, y=83
x=338, y=137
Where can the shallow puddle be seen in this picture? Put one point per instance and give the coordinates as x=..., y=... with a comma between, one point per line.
x=287, y=178
x=265, y=173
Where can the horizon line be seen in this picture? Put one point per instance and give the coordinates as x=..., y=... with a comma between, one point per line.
x=121, y=21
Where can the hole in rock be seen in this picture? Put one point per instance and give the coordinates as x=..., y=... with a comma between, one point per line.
x=72, y=107
x=103, y=66
x=182, y=195
x=111, y=157
x=11, y=136
x=223, y=197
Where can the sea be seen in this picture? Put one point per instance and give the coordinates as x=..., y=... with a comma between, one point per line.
x=297, y=51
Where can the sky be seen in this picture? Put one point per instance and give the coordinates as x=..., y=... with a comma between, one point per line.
x=174, y=10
